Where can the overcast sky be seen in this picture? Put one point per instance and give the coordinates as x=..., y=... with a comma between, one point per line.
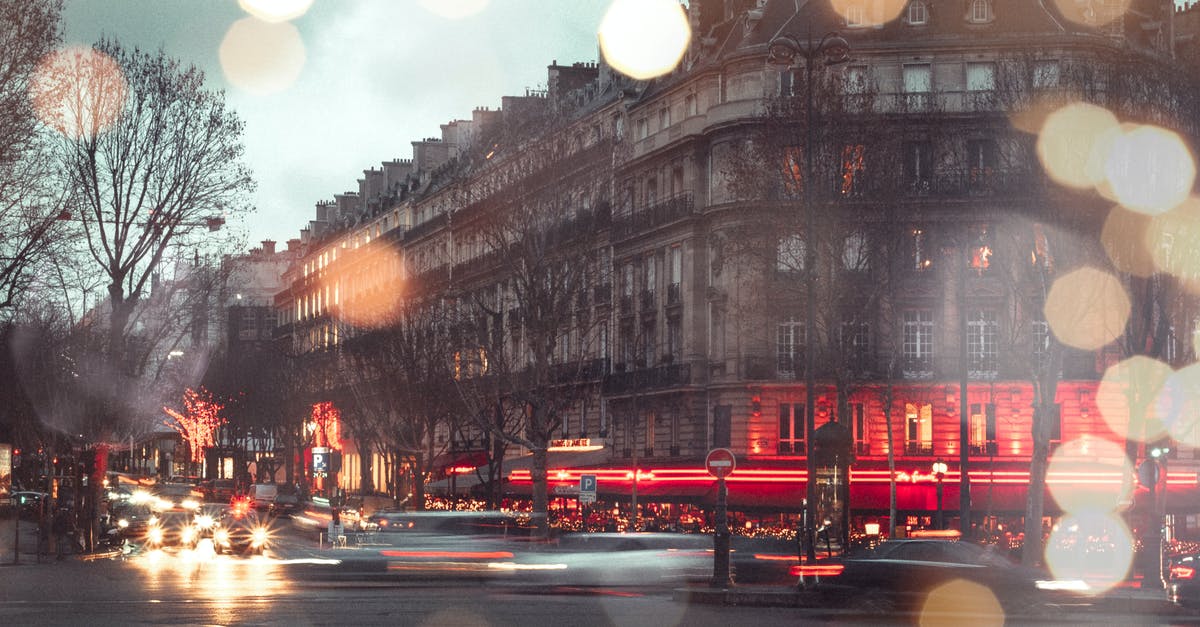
x=377, y=75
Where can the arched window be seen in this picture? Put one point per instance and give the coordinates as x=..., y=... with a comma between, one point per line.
x=918, y=13
x=981, y=11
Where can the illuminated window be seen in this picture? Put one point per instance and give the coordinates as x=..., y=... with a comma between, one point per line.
x=982, y=331
x=918, y=343
x=853, y=165
x=918, y=13
x=789, y=255
x=982, y=158
x=789, y=348
x=918, y=433
x=858, y=423
x=982, y=429
x=791, y=428
x=919, y=245
x=793, y=171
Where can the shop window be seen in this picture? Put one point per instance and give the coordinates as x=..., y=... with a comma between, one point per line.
x=791, y=428
x=918, y=434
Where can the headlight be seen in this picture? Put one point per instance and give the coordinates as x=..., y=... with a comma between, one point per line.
x=141, y=496
x=188, y=534
x=122, y=523
x=204, y=521
x=1073, y=585
x=259, y=537
x=155, y=535
x=191, y=504
x=221, y=537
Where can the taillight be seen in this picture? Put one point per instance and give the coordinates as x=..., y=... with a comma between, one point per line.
x=1182, y=572
x=816, y=570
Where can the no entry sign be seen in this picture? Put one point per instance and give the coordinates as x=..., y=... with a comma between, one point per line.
x=720, y=462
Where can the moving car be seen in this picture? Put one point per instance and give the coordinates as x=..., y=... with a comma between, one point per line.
x=241, y=531
x=1183, y=584
x=177, y=497
x=173, y=529
x=218, y=490
x=263, y=495
x=286, y=503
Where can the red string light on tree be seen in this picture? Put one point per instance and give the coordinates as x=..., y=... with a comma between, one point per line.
x=198, y=422
x=328, y=421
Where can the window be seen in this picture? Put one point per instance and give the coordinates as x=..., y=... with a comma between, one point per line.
x=856, y=344
x=982, y=429
x=919, y=244
x=918, y=82
x=791, y=428
x=618, y=125
x=664, y=118
x=856, y=15
x=651, y=275
x=651, y=192
x=918, y=433
x=982, y=330
x=642, y=128
x=858, y=423
x=981, y=76
x=675, y=338
x=853, y=165
x=789, y=254
x=674, y=293
x=918, y=343
x=981, y=252
x=981, y=11
x=649, y=433
x=1045, y=74
x=690, y=105
x=855, y=253
x=982, y=158
x=918, y=13
x=793, y=171
x=628, y=344
x=602, y=340
x=787, y=80
x=789, y=347
x=918, y=166
x=650, y=338
x=1040, y=332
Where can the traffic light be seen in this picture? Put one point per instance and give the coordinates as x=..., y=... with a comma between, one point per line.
x=89, y=462
x=16, y=458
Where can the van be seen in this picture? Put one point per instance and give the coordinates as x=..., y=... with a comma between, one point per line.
x=263, y=494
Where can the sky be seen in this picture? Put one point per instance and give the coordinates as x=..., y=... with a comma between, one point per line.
x=376, y=75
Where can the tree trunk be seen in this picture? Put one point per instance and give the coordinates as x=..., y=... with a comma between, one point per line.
x=1031, y=552
x=418, y=488
x=540, y=500
x=891, y=459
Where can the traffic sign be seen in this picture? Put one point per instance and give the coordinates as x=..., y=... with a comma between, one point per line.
x=587, y=488
x=320, y=459
x=720, y=462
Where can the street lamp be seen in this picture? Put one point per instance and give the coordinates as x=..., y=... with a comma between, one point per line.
x=786, y=51
x=939, y=473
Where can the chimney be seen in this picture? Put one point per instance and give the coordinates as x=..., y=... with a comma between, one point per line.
x=268, y=247
x=293, y=244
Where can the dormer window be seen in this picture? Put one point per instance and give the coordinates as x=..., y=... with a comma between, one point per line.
x=981, y=11
x=918, y=13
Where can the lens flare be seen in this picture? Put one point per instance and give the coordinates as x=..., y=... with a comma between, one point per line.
x=1087, y=308
x=261, y=57
x=455, y=9
x=1150, y=169
x=1092, y=13
x=1094, y=547
x=79, y=92
x=644, y=38
x=1172, y=240
x=275, y=10
x=364, y=301
x=948, y=603
x=1126, y=398
x=1092, y=476
x=1073, y=144
x=857, y=13
x=1125, y=240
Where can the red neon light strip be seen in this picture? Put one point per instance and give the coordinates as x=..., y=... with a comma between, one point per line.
x=696, y=475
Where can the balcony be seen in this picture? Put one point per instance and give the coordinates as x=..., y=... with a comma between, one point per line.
x=674, y=294
x=647, y=302
x=792, y=447
x=645, y=379
x=640, y=221
x=918, y=448
x=579, y=371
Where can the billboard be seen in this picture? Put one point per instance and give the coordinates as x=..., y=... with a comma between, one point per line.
x=5, y=474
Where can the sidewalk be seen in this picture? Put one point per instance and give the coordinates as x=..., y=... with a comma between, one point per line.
x=28, y=541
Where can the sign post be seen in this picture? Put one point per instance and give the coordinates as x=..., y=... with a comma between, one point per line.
x=587, y=489
x=720, y=464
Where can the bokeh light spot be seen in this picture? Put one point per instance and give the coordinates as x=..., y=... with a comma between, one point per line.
x=858, y=13
x=78, y=91
x=950, y=602
x=1172, y=240
x=644, y=38
x=1072, y=145
x=1095, y=547
x=455, y=9
x=1126, y=398
x=275, y=10
x=367, y=306
x=1087, y=308
x=1092, y=13
x=262, y=57
x=1089, y=475
x=1150, y=169
x=1124, y=238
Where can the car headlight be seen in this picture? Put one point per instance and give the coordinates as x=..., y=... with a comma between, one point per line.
x=188, y=534
x=1073, y=585
x=204, y=521
x=190, y=504
x=155, y=535
x=259, y=536
x=221, y=536
x=123, y=523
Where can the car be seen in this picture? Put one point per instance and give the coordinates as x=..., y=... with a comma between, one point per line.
x=177, y=497
x=899, y=574
x=179, y=529
x=218, y=490
x=262, y=495
x=286, y=503
x=1183, y=584
x=242, y=531
x=132, y=520
x=29, y=503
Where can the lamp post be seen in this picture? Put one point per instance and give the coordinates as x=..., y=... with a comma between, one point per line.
x=1158, y=505
x=939, y=473
x=786, y=51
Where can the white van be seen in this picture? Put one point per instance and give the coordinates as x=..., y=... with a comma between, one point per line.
x=263, y=495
